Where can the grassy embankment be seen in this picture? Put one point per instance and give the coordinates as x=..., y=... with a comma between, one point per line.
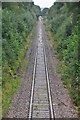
x=0, y=63
x=13, y=81
x=18, y=20
x=63, y=21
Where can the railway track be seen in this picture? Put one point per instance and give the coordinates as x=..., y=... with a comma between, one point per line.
x=40, y=101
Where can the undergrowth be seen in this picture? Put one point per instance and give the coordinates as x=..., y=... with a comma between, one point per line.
x=13, y=81
x=63, y=23
x=18, y=20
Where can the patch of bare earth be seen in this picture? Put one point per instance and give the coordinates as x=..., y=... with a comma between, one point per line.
x=62, y=103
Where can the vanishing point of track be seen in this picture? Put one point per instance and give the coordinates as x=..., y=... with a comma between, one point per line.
x=40, y=101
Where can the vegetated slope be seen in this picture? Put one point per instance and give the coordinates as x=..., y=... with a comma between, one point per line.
x=18, y=19
x=0, y=43
x=63, y=21
x=0, y=63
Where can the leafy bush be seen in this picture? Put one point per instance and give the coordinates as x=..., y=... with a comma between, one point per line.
x=64, y=24
x=18, y=20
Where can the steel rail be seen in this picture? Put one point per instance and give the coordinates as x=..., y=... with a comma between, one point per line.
x=32, y=90
x=48, y=86
x=47, y=82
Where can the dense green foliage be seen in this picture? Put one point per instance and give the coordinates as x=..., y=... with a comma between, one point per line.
x=0, y=63
x=64, y=23
x=18, y=20
x=44, y=12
